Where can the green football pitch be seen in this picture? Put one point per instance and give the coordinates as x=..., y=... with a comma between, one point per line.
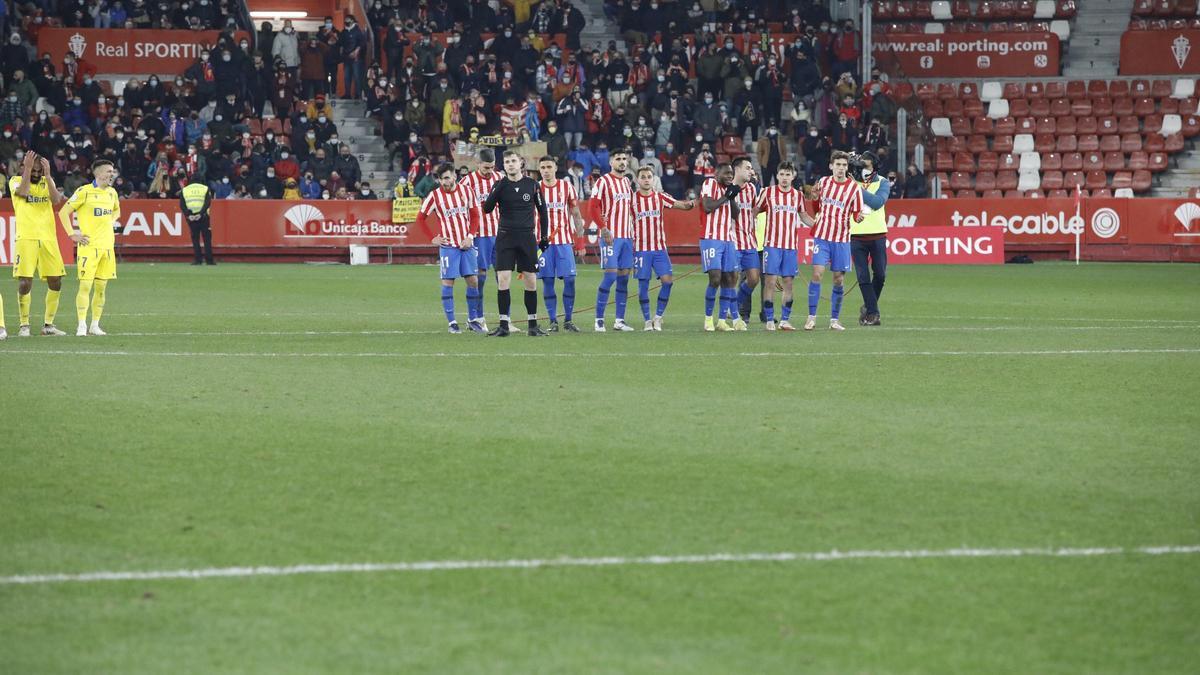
x=294, y=469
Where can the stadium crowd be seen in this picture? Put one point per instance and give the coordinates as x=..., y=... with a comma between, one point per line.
x=257, y=121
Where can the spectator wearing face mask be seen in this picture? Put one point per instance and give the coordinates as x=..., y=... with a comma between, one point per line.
x=734, y=74
x=707, y=119
x=312, y=67
x=286, y=166
x=329, y=36
x=708, y=71
x=769, y=151
x=352, y=45
x=309, y=187
x=915, y=185
x=364, y=192
x=816, y=155
x=801, y=119
x=747, y=110
x=845, y=49
x=287, y=47
x=321, y=165
x=346, y=165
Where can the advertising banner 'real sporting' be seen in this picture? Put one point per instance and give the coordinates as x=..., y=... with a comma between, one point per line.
x=977, y=55
x=119, y=50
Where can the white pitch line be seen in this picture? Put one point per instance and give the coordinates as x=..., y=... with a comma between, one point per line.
x=608, y=561
x=542, y=355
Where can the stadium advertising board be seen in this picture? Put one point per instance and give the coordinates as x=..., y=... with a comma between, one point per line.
x=936, y=246
x=968, y=54
x=1111, y=229
x=1160, y=52
x=119, y=50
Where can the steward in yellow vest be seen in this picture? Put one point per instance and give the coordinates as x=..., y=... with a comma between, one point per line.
x=868, y=239
x=195, y=200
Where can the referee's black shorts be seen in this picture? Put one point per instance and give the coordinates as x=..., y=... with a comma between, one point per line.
x=517, y=249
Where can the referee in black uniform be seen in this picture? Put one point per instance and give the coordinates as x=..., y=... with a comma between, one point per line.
x=518, y=239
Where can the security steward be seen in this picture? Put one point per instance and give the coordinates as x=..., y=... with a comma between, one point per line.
x=195, y=200
x=868, y=239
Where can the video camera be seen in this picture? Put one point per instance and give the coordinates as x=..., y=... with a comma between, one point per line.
x=857, y=163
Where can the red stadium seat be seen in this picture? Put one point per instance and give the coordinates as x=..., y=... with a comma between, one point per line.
x=1026, y=125
x=1151, y=124
x=1168, y=106
x=1142, y=181
x=946, y=91
x=957, y=144
x=1081, y=107
x=988, y=161
x=273, y=124
x=1186, y=7
x=1143, y=107
x=923, y=10
x=993, y=194
x=255, y=125
x=986, y=10
x=1154, y=143
x=1107, y=125
x=903, y=91
x=960, y=180
x=1067, y=143
x=1175, y=143
x=1187, y=106
x=1139, y=160
x=933, y=107
x=732, y=145
x=1109, y=143
x=968, y=90
x=885, y=9
x=1102, y=193
x=985, y=180
x=1096, y=180
x=1093, y=161
x=1044, y=142
x=1097, y=88
x=1102, y=106
x=1065, y=9
x=1072, y=161
x=1004, y=143
x=1129, y=124
x=1085, y=125
x=1076, y=89
x=953, y=107
x=1114, y=161
x=1033, y=194
x=1009, y=162
x=1066, y=125
x=1006, y=126
x=1057, y=194
x=964, y=194
x=1005, y=9
x=1046, y=125
x=1158, y=161
x=977, y=144
x=1126, y=143
x=926, y=91
x=1056, y=89
x=1143, y=8
x=1089, y=142
x=960, y=9
x=1035, y=90
x=1025, y=9
x=1191, y=126
x=1072, y=179
x=1006, y=180
x=1122, y=179
x=1118, y=89
x=983, y=125
x=1019, y=27
x=1052, y=180
x=943, y=161
x=1051, y=161
x=1018, y=107
x=1014, y=90
x=959, y=126
x=1013, y=194
x=964, y=162
x=1039, y=107
x=972, y=107
x=1161, y=89
x=1122, y=106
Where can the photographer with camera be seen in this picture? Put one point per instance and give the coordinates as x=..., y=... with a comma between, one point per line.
x=868, y=238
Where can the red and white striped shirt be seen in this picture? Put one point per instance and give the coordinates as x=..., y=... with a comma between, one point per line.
x=648, y=233
x=718, y=224
x=613, y=193
x=560, y=199
x=839, y=203
x=481, y=187
x=783, y=209
x=744, y=236
x=455, y=209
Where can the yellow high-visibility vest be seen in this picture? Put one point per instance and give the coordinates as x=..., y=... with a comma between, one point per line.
x=874, y=222
x=193, y=196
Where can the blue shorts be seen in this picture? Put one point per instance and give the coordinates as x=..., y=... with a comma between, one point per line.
x=834, y=255
x=716, y=254
x=650, y=264
x=486, y=248
x=456, y=262
x=748, y=260
x=557, y=262
x=781, y=262
x=619, y=256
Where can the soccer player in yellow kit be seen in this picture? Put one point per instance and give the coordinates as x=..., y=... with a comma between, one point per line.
x=34, y=195
x=96, y=208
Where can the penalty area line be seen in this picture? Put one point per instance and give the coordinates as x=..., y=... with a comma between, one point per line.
x=540, y=355
x=608, y=561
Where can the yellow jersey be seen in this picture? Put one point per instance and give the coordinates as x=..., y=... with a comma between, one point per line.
x=97, y=209
x=35, y=213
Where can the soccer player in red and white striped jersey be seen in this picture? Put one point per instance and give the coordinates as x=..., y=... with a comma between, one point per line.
x=650, y=244
x=454, y=205
x=611, y=210
x=718, y=254
x=481, y=181
x=558, y=260
x=786, y=211
x=746, y=242
x=840, y=201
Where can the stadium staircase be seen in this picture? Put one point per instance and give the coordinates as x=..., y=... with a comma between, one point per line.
x=363, y=135
x=1097, y=30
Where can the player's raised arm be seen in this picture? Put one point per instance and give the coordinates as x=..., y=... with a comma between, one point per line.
x=22, y=190
x=56, y=195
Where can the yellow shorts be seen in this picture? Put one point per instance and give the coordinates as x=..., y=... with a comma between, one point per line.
x=96, y=263
x=35, y=256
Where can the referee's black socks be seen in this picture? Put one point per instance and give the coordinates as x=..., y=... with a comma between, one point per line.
x=504, y=300
x=531, y=307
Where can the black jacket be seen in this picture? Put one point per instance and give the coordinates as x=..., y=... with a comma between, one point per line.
x=518, y=200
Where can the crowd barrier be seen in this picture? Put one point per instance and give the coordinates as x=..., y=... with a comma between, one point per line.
x=922, y=230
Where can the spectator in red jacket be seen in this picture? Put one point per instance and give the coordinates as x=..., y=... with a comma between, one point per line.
x=286, y=166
